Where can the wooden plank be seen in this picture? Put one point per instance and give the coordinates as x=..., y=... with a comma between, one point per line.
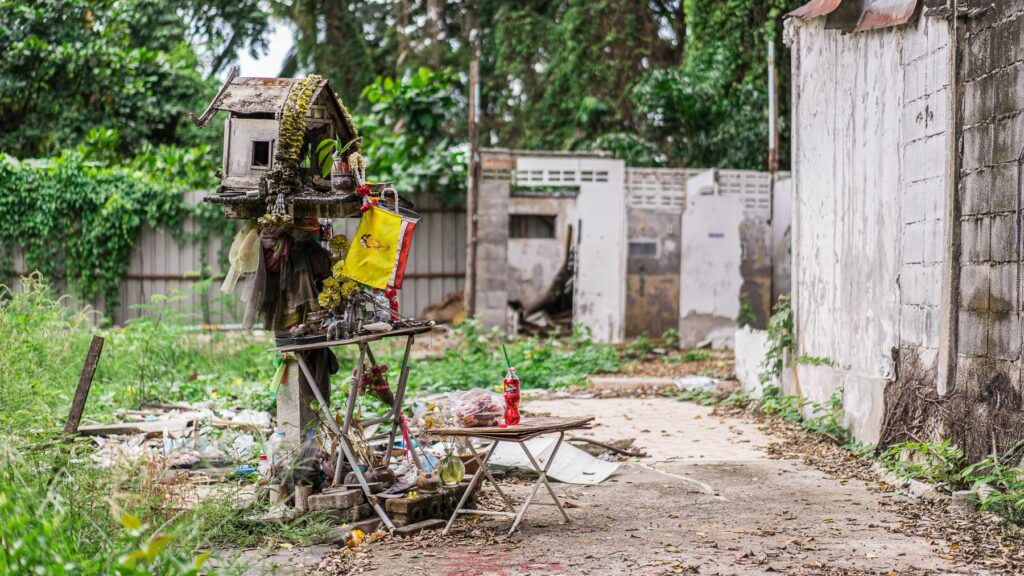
x=357, y=340
x=527, y=428
x=92, y=360
x=150, y=429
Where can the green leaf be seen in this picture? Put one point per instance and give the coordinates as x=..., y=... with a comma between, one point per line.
x=156, y=545
x=201, y=559
x=131, y=522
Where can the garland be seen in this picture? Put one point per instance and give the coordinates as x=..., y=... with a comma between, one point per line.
x=292, y=134
x=79, y=223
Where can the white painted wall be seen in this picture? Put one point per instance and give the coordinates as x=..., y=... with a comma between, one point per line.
x=238, y=138
x=750, y=348
x=599, y=300
x=868, y=161
x=712, y=253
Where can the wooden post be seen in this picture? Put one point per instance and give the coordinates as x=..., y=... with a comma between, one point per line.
x=474, y=182
x=84, y=384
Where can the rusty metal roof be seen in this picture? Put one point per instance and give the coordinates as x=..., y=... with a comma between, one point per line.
x=815, y=8
x=248, y=96
x=859, y=15
x=885, y=13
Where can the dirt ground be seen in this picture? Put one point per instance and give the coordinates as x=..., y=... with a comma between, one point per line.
x=706, y=500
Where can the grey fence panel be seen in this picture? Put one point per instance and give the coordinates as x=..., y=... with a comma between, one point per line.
x=161, y=265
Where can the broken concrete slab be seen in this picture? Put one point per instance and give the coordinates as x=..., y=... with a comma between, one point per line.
x=349, y=515
x=337, y=499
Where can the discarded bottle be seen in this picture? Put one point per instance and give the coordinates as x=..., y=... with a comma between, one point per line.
x=511, y=397
x=277, y=453
x=264, y=468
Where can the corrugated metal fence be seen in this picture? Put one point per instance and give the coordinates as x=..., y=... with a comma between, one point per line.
x=161, y=265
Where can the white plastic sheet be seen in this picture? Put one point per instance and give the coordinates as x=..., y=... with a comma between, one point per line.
x=571, y=465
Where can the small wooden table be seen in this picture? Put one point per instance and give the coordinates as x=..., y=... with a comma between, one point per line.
x=527, y=429
x=394, y=412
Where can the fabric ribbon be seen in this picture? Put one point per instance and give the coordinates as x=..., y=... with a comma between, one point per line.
x=392, y=295
x=405, y=440
x=281, y=369
x=367, y=204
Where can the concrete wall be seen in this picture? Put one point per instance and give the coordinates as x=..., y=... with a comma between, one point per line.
x=726, y=255
x=989, y=304
x=619, y=295
x=507, y=268
x=652, y=270
x=492, y=239
x=709, y=296
x=993, y=141
x=599, y=300
x=534, y=262
x=869, y=161
x=782, y=237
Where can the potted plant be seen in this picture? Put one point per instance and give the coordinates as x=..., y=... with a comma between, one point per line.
x=342, y=178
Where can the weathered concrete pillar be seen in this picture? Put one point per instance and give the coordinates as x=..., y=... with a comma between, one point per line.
x=295, y=414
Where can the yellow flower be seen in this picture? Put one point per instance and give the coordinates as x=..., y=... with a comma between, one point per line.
x=336, y=269
x=339, y=244
x=331, y=284
x=349, y=288
x=329, y=299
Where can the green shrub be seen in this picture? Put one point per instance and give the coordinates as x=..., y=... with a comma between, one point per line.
x=774, y=403
x=1003, y=475
x=670, y=338
x=935, y=463
x=638, y=348
x=827, y=418
x=781, y=340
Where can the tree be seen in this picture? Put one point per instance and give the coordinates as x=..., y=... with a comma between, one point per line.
x=73, y=65
x=330, y=42
x=409, y=134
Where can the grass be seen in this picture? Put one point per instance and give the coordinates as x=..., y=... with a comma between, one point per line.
x=57, y=510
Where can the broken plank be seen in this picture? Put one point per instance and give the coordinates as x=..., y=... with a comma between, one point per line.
x=150, y=429
x=92, y=360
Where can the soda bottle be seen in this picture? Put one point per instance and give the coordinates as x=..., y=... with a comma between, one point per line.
x=511, y=397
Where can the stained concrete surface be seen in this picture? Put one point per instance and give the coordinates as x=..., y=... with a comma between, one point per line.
x=706, y=500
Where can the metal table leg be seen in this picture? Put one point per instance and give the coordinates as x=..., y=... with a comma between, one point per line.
x=482, y=467
x=541, y=479
x=396, y=409
x=477, y=480
x=354, y=389
x=343, y=440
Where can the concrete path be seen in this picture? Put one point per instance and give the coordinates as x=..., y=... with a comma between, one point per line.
x=705, y=501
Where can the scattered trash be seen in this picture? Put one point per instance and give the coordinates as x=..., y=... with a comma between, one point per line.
x=697, y=383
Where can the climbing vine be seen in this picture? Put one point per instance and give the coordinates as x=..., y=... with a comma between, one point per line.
x=781, y=340
x=76, y=221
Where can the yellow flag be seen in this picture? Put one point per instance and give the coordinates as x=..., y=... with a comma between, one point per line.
x=371, y=258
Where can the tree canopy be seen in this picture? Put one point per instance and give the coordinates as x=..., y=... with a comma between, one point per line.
x=661, y=82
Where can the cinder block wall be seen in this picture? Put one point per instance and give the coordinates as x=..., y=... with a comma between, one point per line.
x=988, y=378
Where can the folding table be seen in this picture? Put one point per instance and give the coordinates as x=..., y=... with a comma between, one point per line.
x=527, y=429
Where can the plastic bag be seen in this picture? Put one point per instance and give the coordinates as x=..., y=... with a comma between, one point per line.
x=476, y=407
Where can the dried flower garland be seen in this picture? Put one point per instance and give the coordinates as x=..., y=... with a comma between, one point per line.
x=291, y=135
